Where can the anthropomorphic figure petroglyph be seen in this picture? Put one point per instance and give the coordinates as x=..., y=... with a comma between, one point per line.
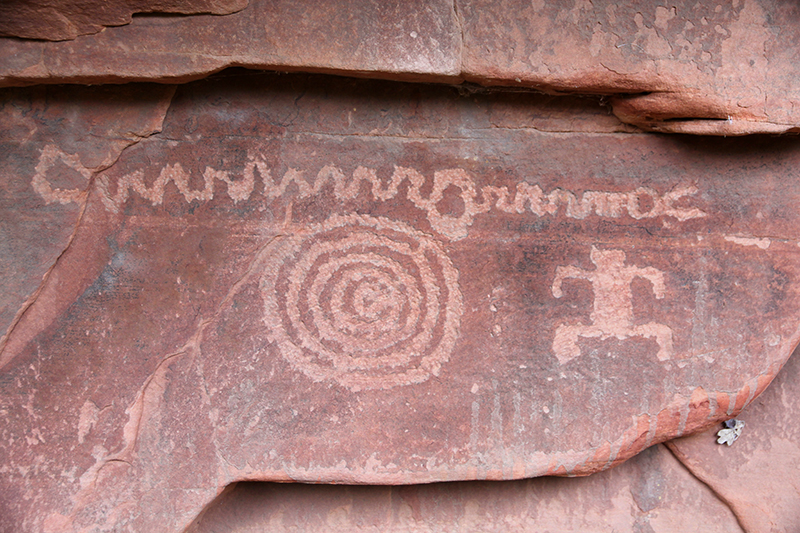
x=612, y=313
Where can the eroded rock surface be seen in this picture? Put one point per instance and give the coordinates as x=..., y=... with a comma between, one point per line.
x=687, y=67
x=757, y=475
x=684, y=67
x=61, y=20
x=652, y=492
x=406, y=39
x=52, y=140
x=326, y=280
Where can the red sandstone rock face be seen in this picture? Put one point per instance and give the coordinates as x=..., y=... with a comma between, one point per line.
x=390, y=39
x=316, y=279
x=53, y=134
x=700, y=68
x=757, y=476
x=60, y=20
x=685, y=67
x=652, y=492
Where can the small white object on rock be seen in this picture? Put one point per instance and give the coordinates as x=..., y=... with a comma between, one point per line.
x=733, y=430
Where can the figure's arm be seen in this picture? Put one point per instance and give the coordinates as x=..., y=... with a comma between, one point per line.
x=656, y=277
x=563, y=273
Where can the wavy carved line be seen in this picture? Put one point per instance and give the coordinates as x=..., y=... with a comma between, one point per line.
x=524, y=198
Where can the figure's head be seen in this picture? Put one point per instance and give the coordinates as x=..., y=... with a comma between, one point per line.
x=607, y=257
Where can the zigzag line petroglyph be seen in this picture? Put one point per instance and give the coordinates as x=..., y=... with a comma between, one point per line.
x=49, y=157
x=476, y=200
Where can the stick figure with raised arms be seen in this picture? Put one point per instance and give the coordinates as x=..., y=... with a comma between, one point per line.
x=612, y=313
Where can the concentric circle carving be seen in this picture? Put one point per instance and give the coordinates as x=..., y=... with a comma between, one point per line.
x=368, y=302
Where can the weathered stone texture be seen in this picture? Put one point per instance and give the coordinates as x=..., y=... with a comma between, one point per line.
x=684, y=67
x=51, y=141
x=326, y=280
x=688, y=67
x=406, y=39
x=652, y=492
x=757, y=476
x=60, y=20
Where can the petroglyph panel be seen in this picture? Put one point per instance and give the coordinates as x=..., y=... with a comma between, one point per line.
x=328, y=280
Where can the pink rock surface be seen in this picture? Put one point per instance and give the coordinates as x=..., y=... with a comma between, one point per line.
x=61, y=136
x=689, y=67
x=406, y=39
x=757, y=476
x=683, y=67
x=326, y=280
x=59, y=20
x=652, y=492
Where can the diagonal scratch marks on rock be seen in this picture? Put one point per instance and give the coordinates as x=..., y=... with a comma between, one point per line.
x=258, y=260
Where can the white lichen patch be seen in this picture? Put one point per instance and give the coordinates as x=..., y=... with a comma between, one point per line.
x=762, y=243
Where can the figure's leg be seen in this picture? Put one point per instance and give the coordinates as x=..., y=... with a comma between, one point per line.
x=564, y=342
x=663, y=335
x=664, y=340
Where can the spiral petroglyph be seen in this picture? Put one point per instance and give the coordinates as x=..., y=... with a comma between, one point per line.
x=368, y=302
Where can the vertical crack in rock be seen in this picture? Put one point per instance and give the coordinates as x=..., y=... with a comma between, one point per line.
x=462, y=39
x=161, y=112
x=702, y=478
x=7, y=353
